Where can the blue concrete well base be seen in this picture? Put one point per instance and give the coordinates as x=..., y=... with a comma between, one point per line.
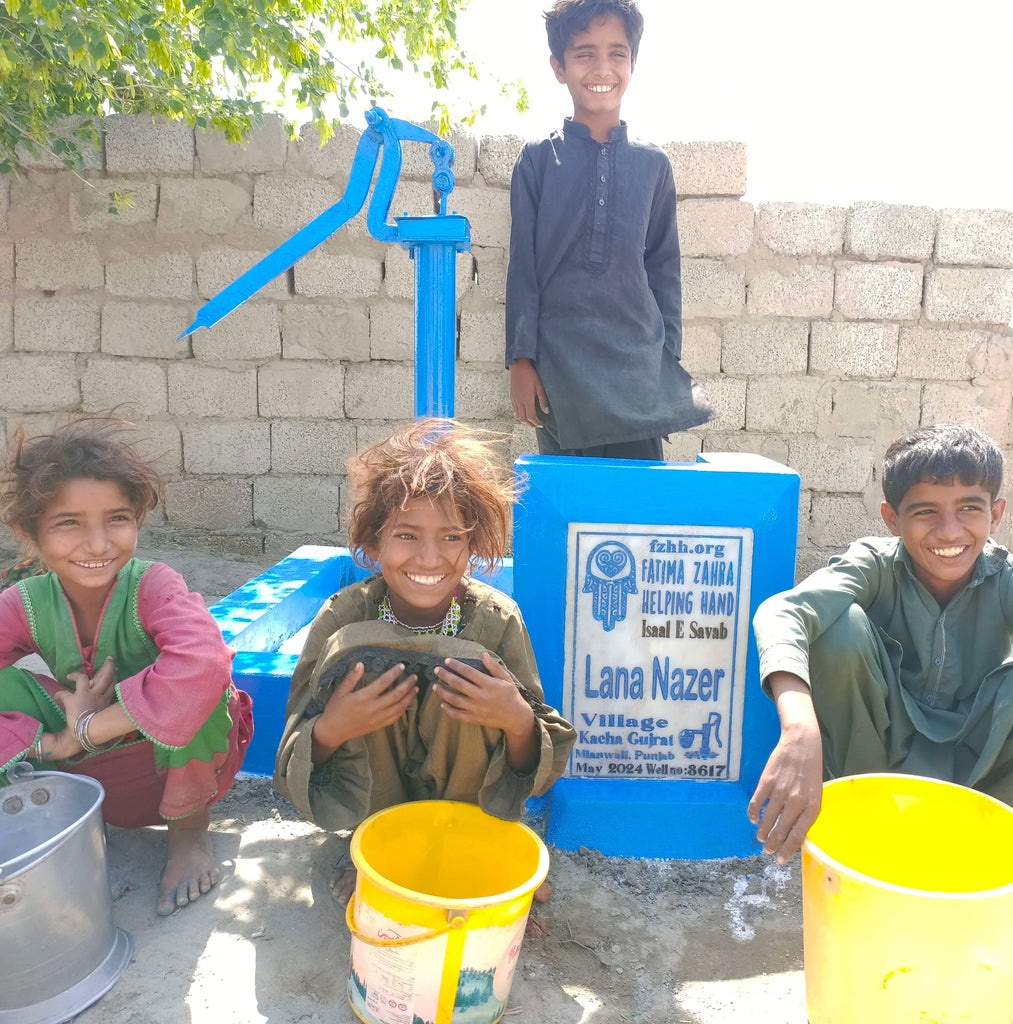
x=638, y=582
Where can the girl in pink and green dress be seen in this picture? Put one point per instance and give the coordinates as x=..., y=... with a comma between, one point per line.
x=139, y=693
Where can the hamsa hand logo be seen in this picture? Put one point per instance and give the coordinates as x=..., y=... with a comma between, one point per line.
x=609, y=576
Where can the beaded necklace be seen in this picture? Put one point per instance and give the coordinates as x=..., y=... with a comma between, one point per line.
x=448, y=626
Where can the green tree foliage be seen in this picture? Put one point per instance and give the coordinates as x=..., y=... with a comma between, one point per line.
x=206, y=62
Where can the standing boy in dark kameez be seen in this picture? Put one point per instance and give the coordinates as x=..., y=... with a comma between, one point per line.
x=897, y=656
x=594, y=290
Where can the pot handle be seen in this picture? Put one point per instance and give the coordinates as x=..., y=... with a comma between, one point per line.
x=454, y=923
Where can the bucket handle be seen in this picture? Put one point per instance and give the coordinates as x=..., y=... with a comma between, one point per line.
x=455, y=923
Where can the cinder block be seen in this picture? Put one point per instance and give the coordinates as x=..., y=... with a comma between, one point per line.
x=91, y=153
x=771, y=347
x=196, y=390
x=977, y=237
x=488, y=210
x=711, y=288
x=160, y=441
x=701, y=348
x=6, y=326
x=982, y=296
x=418, y=165
x=809, y=559
x=99, y=204
x=413, y=199
x=149, y=329
x=263, y=149
x=251, y=331
x=227, y=446
x=770, y=446
x=999, y=364
x=202, y=206
x=399, y=273
x=137, y=142
x=380, y=391
x=333, y=159
x=31, y=383
x=283, y=205
x=325, y=274
x=483, y=335
x=57, y=324
x=49, y=265
x=497, y=155
x=928, y=353
x=788, y=404
x=715, y=227
x=320, y=447
x=708, y=168
x=302, y=390
x=324, y=331
x=298, y=504
x=482, y=394
x=132, y=384
x=683, y=446
x=210, y=504
x=728, y=397
x=834, y=465
x=218, y=267
x=802, y=229
x=879, y=291
x=805, y=504
x=162, y=275
x=882, y=411
x=986, y=406
x=854, y=350
x=804, y=291
x=839, y=519
x=489, y=265
x=391, y=330
x=886, y=231
x=7, y=270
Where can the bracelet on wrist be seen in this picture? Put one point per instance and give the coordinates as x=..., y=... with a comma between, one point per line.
x=81, y=733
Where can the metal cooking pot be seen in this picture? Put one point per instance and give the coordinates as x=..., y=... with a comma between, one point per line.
x=61, y=949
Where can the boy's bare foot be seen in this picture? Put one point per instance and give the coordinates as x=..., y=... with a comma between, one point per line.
x=191, y=868
x=342, y=883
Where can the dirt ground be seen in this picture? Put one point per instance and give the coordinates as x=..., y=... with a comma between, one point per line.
x=660, y=942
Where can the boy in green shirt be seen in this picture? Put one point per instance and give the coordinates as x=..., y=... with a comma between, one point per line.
x=897, y=656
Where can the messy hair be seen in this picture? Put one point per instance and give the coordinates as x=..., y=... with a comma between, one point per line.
x=939, y=454
x=438, y=459
x=88, y=447
x=568, y=17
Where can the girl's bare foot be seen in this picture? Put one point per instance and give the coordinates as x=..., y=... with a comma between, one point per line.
x=191, y=868
x=342, y=883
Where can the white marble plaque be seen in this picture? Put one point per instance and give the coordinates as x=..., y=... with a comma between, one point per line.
x=657, y=621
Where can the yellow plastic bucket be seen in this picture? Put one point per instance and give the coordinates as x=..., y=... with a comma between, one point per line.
x=907, y=899
x=437, y=921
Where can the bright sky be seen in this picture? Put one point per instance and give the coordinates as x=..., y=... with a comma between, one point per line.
x=894, y=100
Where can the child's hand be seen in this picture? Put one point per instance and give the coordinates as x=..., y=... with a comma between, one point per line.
x=93, y=693
x=350, y=712
x=792, y=788
x=489, y=699
x=526, y=392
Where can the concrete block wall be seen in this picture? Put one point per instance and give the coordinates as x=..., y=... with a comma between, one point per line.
x=820, y=332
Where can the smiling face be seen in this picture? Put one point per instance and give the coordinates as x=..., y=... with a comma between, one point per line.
x=596, y=70
x=423, y=555
x=944, y=526
x=86, y=535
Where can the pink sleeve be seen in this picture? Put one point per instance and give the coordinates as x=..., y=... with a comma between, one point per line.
x=15, y=636
x=17, y=731
x=172, y=698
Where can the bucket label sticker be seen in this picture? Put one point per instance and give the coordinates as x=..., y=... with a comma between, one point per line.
x=402, y=984
x=657, y=621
